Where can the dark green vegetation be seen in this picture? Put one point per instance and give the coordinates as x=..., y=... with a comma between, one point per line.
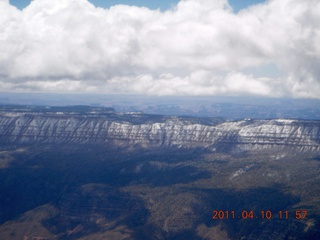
x=98, y=192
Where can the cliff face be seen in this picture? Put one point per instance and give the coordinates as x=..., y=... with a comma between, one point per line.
x=60, y=128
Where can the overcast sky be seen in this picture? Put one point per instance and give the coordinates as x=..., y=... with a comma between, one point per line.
x=193, y=47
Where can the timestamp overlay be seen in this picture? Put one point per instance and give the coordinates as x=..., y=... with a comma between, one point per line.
x=262, y=214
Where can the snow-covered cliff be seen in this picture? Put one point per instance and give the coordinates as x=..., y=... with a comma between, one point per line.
x=38, y=128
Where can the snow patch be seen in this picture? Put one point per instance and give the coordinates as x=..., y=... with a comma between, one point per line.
x=287, y=121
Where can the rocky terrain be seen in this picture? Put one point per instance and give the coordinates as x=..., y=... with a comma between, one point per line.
x=149, y=131
x=90, y=173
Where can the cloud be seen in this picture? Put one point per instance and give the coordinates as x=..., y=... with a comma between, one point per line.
x=199, y=47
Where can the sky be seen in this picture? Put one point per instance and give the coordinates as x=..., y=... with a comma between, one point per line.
x=188, y=47
x=163, y=5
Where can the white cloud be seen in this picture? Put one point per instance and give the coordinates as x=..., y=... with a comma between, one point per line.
x=200, y=47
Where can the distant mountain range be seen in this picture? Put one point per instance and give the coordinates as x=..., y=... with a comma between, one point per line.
x=232, y=108
x=81, y=125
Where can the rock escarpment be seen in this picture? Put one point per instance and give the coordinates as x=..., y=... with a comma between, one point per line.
x=139, y=130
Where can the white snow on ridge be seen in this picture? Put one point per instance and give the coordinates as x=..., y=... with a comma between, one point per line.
x=287, y=121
